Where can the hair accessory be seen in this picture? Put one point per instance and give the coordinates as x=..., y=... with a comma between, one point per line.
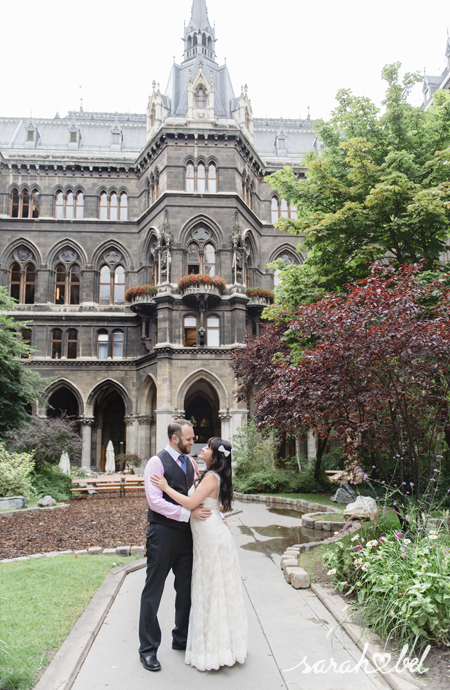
x=225, y=452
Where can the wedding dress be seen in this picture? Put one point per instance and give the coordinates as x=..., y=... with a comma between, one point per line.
x=217, y=634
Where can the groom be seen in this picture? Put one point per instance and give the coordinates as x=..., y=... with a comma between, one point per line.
x=169, y=542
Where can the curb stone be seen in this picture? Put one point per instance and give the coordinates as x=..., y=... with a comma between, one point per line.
x=92, y=551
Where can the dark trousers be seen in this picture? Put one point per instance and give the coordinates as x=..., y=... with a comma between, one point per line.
x=168, y=548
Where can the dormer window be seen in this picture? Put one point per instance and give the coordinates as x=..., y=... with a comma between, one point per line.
x=73, y=137
x=116, y=138
x=201, y=98
x=30, y=135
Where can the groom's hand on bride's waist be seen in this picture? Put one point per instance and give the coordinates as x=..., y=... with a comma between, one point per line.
x=200, y=513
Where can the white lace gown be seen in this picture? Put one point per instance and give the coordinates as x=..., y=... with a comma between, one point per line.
x=217, y=634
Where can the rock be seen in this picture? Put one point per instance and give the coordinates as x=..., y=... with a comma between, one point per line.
x=81, y=552
x=46, y=502
x=37, y=555
x=138, y=551
x=13, y=503
x=300, y=578
x=345, y=494
x=95, y=550
x=109, y=552
x=51, y=554
x=364, y=507
x=287, y=564
x=123, y=550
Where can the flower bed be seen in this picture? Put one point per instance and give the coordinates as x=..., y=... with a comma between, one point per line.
x=140, y=290
x=199, y=279
x=260, y=292
x=402, y=585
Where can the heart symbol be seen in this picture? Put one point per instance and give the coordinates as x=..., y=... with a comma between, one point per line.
x=381, y=660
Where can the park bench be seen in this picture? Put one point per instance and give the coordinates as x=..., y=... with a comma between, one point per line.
x=119, y=484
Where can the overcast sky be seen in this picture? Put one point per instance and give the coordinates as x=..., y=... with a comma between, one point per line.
x=290, y=53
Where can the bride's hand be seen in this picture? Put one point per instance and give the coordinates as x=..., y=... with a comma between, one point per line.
x=160, y=482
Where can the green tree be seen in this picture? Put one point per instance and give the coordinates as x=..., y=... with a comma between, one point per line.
x=379, y=190
x=18, y=385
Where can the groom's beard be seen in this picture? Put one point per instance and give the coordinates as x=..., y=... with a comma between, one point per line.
x=184, y=450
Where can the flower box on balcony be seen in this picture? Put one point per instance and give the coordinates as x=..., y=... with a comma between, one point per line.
x=141, y=298
x=259, y=297
x=201, y=286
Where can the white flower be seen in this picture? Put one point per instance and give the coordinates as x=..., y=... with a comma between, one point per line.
x=434, y=536
x=355, y=538
x=358, y=562
x=371, y=543
x=407, y=541
x=365, y=566
x=332, y=571
x=432, y=531
x=416, y=586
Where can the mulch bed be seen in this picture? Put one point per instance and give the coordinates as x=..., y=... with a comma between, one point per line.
x=104, y=520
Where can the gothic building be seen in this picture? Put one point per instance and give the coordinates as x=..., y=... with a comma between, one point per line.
x=93, y=204
x=432, y=83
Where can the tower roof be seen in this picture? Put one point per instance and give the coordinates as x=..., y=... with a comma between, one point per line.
x=199, y=17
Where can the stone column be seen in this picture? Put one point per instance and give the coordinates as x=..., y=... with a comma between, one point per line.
x=225, y=418
x=143, y=450
x=86, y=425
x=132, y=434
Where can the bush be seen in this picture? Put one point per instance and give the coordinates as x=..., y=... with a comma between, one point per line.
x=15, y=469
x=50, y=481
x=47, y=438
x=277, y=481
x=129, y=460
x=251, y=452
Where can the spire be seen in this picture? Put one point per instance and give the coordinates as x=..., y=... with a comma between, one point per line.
x=199, y=36
x=199, y=17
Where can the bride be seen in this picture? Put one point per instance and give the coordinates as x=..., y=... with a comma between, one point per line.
x=217, y=634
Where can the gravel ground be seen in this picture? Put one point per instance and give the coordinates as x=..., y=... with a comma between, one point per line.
x=100, y=520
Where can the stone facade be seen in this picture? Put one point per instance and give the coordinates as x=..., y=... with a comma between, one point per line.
x=95, y=203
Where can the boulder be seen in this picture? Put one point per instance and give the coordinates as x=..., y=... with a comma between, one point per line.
x=46, y=502
x=13, y=503
x=123, y=550
x=364, y=506
x=345, y=494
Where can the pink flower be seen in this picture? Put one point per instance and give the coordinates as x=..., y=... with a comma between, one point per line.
x=398, y=534
x=383, y=538
x=358, y=547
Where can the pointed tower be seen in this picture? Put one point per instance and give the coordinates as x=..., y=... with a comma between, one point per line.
x=199, y=36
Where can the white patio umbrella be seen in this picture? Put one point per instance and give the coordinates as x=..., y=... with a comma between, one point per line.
x=64, y=463
x=110, y=461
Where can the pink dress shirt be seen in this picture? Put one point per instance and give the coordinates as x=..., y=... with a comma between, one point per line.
x=155, y=495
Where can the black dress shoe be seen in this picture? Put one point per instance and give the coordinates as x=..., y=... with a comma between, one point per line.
x=180, y=647
x=150, y=662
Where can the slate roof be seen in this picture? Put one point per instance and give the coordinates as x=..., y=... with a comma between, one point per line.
x=199, y=17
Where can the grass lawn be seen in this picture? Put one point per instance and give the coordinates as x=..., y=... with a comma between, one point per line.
x=40, y=601
x=312, y=498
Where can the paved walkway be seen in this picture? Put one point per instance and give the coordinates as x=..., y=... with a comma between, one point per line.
x=285, y=625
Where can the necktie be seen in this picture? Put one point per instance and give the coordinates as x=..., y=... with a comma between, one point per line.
x=182, y=459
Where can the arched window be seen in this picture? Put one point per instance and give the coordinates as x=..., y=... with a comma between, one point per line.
x=59, y=205
x=201, y=178
x=113, y=207
x=284, y=212
x=213, y=331
x=35, y=198
x=190, y=178
x=14, y=204
x=117, y=344
x=25, y=337
x=79, y=206
x=193, y=258
x=60, y=284
x=103, y=206
x=56, y=343
x=275, y=209
x=105, y=285
x=190, y=331
x=30, y=283
x=201, y=98
x=67, y=284
x=209, y=260
x=123, y=206
x=212, y=178
x=102, y=344
x=119, y=285
x=70, y=205
x=15, y=282
x=72, y=343
x=293, y=212
x=25, y=204
x=74, y=284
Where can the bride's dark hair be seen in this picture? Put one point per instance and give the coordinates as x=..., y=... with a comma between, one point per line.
x=221, y=465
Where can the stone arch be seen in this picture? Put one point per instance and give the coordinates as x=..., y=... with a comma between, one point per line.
x=65, y=383
x=103, y=386
x=146, y=394
x=202, y=219
x=286, y=248
x=66, y=244
x=98, y=257
x=8, y=254
x=197, y=376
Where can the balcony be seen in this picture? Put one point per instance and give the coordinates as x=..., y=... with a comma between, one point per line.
x=259, y=298
x=195, y=288
x=141, y=299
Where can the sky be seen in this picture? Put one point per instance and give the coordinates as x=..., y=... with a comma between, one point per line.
x=292, y=54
